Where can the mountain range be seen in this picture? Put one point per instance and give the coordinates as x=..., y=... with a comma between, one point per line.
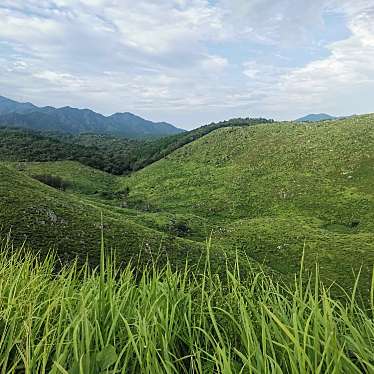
x=77, y=121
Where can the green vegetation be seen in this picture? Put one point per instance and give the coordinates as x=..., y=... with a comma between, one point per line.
x=81, y=179
x=155, y=150
x=52, y=181
x=115, y=155
x=268, y=191
x=105, y=192
x=165, y=321
x=165, y=301
x=104, y=153
x=271, y=190
x=48, y=218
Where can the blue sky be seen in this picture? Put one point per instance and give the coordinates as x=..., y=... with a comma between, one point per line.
x=190, y=62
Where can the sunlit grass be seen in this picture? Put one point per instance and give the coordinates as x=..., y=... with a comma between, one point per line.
x=164, y=321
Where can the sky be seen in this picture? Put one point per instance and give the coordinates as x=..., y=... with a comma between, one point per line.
x=190, y=62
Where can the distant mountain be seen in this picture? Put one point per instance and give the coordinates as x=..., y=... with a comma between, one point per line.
x=135, y=124
x=10, y=106
x=316, y=118
x=77, y=121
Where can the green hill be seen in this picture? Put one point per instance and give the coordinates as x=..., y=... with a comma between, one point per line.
x=316, y=118
x=47, y=218
x=272, y=189
x=269, y=191
x=105, y=192
x=82, y=179
x=113, y=154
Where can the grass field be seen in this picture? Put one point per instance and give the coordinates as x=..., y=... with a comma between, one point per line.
x=163, y=321
x=82, y=179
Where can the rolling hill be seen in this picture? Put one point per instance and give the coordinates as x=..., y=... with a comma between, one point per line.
x=113, y=154
x=273, y=190
x=49, y=219
x=270, y=191
x=77, y=121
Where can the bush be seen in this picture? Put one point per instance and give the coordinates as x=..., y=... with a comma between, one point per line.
x=178, y=227
x=53, y=181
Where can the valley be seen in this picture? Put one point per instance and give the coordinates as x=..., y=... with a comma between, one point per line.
x=269, y=192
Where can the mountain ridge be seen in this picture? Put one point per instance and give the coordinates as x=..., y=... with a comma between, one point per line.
x=76, y=121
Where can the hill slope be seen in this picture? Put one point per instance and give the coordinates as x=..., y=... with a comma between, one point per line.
x=273, y=189
x=112, y=154
x=270, y=191
x=77, y=121
x=51, y=219
x=116, y=155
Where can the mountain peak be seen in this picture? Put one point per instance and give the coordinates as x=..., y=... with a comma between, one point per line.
x=11, y=106
x=123, y=114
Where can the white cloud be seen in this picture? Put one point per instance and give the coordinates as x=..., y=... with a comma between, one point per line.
x=287, y=22
x=214, y=63
x=182, y=60
x=338, y=83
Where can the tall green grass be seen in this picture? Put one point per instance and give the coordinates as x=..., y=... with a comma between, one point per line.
x=165, y=321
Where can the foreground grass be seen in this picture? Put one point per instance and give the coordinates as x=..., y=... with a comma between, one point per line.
x=162, y=321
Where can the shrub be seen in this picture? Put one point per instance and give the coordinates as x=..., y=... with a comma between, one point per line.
x=53, y=181
x=178, y=227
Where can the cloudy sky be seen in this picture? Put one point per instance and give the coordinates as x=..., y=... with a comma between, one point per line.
x=190, y=62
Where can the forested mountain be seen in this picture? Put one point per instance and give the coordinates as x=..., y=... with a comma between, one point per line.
x=77, y=121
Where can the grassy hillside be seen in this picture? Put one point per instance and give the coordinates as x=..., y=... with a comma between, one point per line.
x=113, y=154
x=50, y=219
x=272, y=189
x=82, y=179
x=103, y=190
x=268, y=191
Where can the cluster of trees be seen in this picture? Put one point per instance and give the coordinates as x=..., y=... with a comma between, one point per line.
x=53, y=181
x=27, y=146
x=115, y=155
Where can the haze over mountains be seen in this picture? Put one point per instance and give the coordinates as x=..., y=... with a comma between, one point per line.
x=77, y=121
